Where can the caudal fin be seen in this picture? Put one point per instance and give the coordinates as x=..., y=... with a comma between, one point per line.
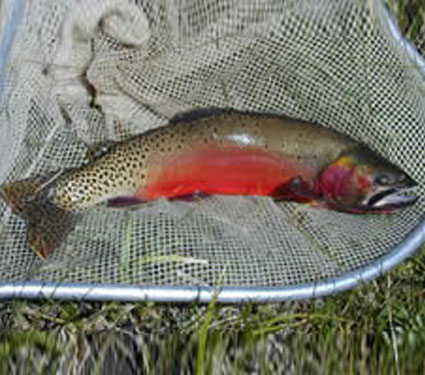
x=47, y=224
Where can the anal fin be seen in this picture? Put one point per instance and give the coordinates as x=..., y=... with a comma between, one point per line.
x=192, y=197
x=124, y=202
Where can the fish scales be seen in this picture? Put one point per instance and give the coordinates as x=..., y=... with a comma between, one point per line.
x=131, y=164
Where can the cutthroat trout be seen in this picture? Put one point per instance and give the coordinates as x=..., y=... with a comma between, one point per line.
x=213, y=152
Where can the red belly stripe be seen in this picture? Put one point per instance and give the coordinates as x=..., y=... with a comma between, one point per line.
x=229, y=171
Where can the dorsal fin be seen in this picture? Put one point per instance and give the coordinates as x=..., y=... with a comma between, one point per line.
x=96, y=150
x=199, y=113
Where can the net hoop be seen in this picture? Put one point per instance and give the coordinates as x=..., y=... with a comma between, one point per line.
x=186, y=294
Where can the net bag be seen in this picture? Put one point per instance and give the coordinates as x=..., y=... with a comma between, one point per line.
x=77, y=73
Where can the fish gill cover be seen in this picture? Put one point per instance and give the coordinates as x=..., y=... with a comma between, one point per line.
x=81, y=73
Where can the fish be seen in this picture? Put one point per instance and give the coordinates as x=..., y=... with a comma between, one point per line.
x=213, y=151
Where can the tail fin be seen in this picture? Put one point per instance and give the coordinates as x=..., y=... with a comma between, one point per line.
x=47, y=224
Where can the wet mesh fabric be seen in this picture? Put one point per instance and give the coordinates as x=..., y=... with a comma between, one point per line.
x=81, y=72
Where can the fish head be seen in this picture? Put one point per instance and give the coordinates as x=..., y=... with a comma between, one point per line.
x=360, y=181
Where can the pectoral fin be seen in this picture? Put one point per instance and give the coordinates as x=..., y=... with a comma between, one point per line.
x=296, y=189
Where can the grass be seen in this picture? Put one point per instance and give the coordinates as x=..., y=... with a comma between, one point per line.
x=377, y=328
x=410, y=16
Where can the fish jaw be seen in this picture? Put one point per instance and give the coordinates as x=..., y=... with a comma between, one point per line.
x=389, y=200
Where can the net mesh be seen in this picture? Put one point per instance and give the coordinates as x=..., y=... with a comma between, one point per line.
x=81, y=73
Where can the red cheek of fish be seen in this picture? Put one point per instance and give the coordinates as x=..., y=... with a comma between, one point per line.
x=228, y=171
x=349, y=185
x=329, y=180
x=339, y=182
x=364, y=182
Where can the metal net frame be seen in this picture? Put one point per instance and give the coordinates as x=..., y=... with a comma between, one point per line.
x=346, y=67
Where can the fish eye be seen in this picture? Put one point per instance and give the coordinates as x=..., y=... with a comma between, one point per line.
x=402, y=178
x=382, y=180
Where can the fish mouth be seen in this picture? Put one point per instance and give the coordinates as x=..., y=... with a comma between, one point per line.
x=391, y=198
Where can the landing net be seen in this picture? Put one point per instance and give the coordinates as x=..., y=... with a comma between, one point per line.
x=81, y=72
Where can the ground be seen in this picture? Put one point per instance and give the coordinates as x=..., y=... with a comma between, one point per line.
x=377, y=328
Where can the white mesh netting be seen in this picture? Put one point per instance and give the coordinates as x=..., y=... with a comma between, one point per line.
x=84, y=72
